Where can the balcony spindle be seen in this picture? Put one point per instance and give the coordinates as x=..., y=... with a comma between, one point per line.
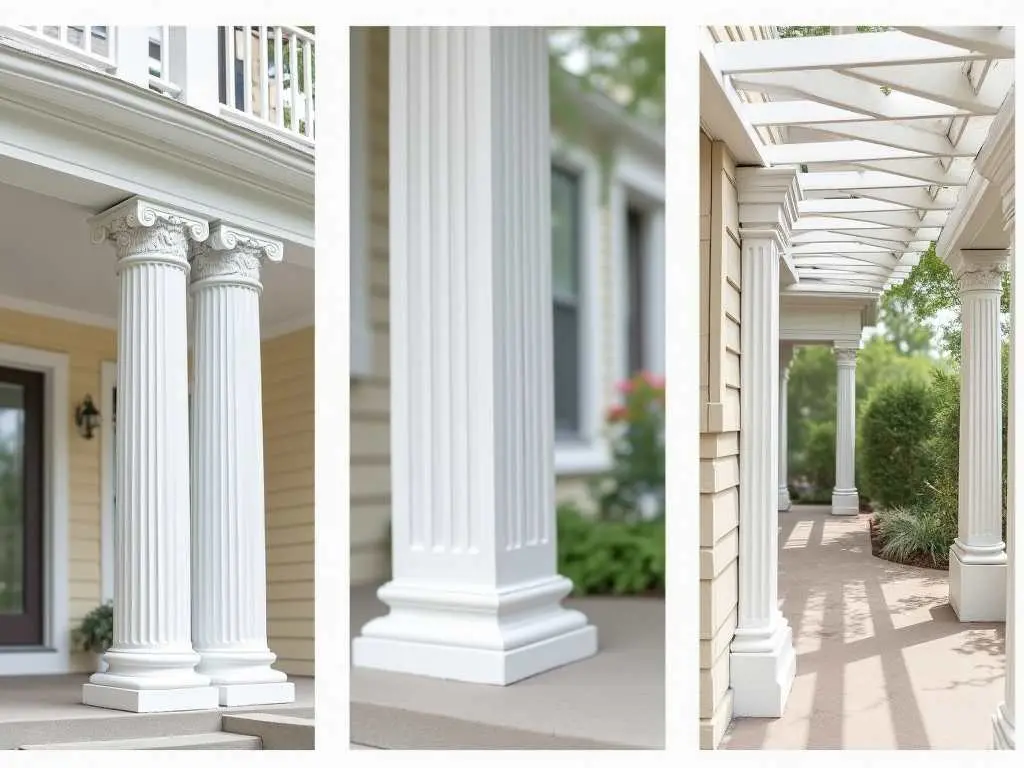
x=165, y=53
x=307, y=86
x=293, y=76
x=278, y=77
x=264, y=66
x=229, y=68
x=247, y=69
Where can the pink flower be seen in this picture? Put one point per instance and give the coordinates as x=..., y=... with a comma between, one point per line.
x=654, y=381
x=616, y=414
x=625, y=387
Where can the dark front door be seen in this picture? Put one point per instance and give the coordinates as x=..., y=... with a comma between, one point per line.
x=21, y=507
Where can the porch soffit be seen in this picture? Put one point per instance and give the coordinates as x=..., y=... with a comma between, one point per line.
x=884, y=127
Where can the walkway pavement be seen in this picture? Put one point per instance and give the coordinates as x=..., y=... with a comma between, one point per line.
x=882, y=662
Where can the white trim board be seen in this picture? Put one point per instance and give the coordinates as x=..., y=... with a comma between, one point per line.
x=108, y=380
x=590, y=453
x=360, y=194
x=54, y=656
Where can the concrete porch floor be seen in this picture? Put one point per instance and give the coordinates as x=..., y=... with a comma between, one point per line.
x=882, y=661
x=614, y=700
x=47, y=708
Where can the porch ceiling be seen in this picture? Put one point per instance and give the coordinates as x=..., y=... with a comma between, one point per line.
x=49, y=266
x=884, y=128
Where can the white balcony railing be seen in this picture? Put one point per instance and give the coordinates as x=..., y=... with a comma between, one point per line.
x=264, y=75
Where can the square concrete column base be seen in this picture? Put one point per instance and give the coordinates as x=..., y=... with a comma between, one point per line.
x=761, y=681
x=134, y=700
x=845, y=501
x=252, y=694
x=977, y=591
x=784, y=501
x=1002, y=729
x=475, y=665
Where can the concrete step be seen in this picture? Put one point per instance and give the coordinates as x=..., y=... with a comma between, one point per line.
x=186, y=741
x=276, y=731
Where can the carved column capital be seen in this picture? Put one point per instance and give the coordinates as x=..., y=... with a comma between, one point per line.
x=846, y=356
x=233, y=254
x=144, y=230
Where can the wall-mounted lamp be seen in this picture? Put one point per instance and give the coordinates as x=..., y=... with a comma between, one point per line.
x=87, y=418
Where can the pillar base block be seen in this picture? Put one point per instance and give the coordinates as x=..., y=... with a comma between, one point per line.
x=785, y=503
x=135, y=700
x=977, y=591
x=845, y=501
x=762, y=679
x=492, y=636
x=253, y=694
x=1002, y=730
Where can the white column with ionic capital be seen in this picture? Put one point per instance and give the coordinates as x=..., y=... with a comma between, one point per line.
x=977, y=559
x=762, y=663
x=785, y=358
x=475, y=594
x=229, y=572
x=151, y=666
x=996, y=163
x=845, y=498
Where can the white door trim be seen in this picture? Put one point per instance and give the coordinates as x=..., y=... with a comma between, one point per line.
x=54, y=656
x=108, y=380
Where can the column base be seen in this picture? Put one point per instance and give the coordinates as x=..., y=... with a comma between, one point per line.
x=762, y=678
x=784, y=501
x=252, y=694
x=496, y=636
x=977, y=591
x=845, y=501
x=136, y=700
x=1002, y=729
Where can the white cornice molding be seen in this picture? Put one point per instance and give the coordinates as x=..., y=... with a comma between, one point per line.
x=42, y=309
x=76, y=94
x=996, y=157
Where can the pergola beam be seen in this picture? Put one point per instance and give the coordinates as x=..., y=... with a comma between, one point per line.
x=925, y=169
x=856, y=180
x=945, y=83
x=836, y=152
x=869, y=49
x=990, y=42
x=903, y=136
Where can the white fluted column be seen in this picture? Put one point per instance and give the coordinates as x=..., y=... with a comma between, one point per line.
x=977, y=559
x=845, y=498
x=475, y=595
x=151, y=666
x=229, y=572
x=762, y=663
x=785, y=358
x=996, y=163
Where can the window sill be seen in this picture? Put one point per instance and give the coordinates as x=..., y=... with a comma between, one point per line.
x=582, y=458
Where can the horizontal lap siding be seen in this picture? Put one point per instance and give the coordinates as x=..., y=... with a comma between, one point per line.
x=370, y=494
x=719, y=452
x=288, y=422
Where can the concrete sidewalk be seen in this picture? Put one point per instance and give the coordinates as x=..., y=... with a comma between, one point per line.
x=882, y=662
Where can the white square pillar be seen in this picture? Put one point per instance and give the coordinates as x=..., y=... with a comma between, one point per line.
x=762, y=664
x=845, y=498
x=475, y=594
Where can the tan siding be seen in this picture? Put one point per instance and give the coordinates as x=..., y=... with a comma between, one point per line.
x=288, y=415
x=370, y=436
x=719, y=472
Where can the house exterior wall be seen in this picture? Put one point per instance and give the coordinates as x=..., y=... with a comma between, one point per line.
x=370, y=556
x=288, y=424
x=720, y=424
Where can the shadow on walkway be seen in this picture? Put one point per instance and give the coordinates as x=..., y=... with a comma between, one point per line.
x=882, y=661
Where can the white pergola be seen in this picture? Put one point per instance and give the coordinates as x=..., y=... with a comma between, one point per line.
x=862, y=149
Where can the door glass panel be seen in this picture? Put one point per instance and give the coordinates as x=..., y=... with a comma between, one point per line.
x=12, y=501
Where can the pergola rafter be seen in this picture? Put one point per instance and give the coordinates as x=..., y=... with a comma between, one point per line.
x=884, y=128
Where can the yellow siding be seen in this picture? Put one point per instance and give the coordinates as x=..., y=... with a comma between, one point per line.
x=719, y=452
x=87, y=347
x=288, y=416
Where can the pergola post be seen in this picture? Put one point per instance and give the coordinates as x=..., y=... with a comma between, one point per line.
x=845, y=498
x=762, y=664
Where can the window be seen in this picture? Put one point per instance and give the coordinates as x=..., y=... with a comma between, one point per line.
x=565, y=285
x=635, y=266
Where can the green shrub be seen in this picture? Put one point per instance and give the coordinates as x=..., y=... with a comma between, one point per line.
x=896, y=458
x=820, y=458
x=613, y=557
x=907, y=532
x=96, y=632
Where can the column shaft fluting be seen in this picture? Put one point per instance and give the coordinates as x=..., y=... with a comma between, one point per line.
x=785, y=357
x=845, y=498
x=229, y=596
